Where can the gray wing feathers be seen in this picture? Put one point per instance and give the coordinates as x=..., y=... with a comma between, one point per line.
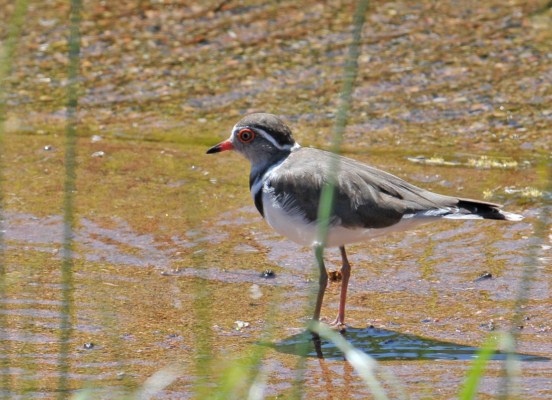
x=381, y=199
x=365, y=197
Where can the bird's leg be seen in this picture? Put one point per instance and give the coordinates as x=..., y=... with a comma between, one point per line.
x=322, y=282
x=345, y=273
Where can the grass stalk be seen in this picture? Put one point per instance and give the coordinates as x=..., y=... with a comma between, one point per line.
x=69, y=189
x=473, y=378
x=7, y=57
x=325, y=207
x=510, y=368
x=203, y=336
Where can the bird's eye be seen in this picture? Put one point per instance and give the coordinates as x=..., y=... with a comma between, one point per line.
x=246, y=135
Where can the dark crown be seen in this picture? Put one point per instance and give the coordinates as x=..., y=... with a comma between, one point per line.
x=271, y=124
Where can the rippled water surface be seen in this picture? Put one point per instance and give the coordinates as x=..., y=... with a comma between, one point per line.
x=172, y=265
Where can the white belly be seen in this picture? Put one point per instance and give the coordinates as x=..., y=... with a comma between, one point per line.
x=296, y=228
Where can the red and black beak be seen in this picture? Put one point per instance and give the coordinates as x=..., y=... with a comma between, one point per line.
x=222, y=146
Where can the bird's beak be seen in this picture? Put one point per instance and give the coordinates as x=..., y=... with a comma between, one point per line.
x=222, y=146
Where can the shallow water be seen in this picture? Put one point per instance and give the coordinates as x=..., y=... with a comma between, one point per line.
x=169, y=250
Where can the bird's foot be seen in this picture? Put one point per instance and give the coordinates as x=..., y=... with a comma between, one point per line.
x=338, y=325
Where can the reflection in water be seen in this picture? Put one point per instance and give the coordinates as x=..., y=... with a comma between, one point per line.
x=383, y=344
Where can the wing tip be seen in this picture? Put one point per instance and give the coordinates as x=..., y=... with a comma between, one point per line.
x=508, y=216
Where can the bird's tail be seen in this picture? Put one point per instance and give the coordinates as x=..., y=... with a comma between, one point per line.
x=473, y=209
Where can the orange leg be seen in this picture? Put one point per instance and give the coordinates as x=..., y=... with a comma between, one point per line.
x=345, y=274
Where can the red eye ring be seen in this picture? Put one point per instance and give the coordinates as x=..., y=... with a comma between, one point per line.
x=246, y=135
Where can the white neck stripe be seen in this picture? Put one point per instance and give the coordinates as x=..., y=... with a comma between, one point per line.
x=272, y=140
x=269, y=138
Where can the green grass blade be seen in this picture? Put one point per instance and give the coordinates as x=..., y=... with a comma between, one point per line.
x=8, y=49
x=325, y=206
x=69, y=190
x=477, y=370
x=349, y=77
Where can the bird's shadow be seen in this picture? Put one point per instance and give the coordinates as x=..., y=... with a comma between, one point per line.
x=383, y=344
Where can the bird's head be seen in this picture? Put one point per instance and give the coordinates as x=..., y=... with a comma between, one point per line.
x=259, y=137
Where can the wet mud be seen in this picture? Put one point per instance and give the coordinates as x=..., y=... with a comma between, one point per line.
x=172, y=263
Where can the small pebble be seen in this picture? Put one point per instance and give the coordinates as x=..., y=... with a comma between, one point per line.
x=490, y=326
x=241, y=324
x=483, y=277
x=268, y=274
